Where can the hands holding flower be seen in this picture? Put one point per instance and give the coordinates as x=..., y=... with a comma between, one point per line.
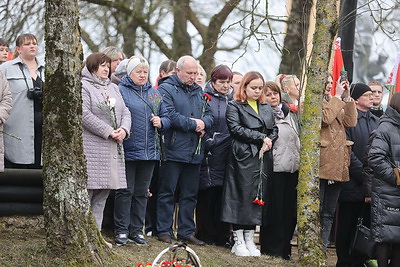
x=118, y=134
x=156, y=120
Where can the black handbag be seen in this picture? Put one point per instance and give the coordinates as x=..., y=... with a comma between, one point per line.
x=363, y=242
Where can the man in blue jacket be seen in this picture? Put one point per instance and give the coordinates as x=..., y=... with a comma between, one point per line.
x=190, y=115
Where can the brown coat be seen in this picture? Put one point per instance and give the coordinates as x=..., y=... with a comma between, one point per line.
x=335, y=149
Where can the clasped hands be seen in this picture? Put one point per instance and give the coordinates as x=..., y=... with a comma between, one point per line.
x=118, y=134
x=267, y=145
x=200, y=125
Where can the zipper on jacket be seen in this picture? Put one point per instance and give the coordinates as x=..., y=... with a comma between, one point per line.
x=208, y=172
x=146, y=141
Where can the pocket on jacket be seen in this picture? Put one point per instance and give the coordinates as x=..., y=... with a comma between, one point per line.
x=347, y=152
x=241, y=151
x=17, y=84
x=171, y=139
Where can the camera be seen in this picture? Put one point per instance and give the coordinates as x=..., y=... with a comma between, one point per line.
x=34, y=93
x=343, y=75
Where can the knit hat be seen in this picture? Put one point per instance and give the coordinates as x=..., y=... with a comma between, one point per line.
x=135, y=61
x=121, y=68
x=358, y=89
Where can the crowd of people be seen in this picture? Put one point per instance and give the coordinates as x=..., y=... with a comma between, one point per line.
x=226, y=149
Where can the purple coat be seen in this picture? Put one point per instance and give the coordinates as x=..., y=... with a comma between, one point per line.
x=105, y=167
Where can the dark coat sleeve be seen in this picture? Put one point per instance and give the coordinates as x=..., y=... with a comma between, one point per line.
x=163, y=114
x=178, y=120
x=356, y=166
x=367, y=170
x=379, y=155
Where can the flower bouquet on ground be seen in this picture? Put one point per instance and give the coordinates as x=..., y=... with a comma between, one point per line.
x=178, y=254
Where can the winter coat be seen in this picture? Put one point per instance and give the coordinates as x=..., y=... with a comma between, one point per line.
x=21, y=120
x=335, y=149
x=353, y=189
x=217, y=141
x=105, y=165
x=143, y=143
x=184, y=102
x=248, y=130
x=5, y=109
x=385, y=205
x=286, y=151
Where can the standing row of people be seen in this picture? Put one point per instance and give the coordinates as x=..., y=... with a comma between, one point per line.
x=239, y=146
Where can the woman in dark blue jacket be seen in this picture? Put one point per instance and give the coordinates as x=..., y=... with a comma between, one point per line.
x=217, y=144
x=384, y=154
x=142, y=150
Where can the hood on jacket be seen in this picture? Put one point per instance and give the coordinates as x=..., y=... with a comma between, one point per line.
x=127, y=82
x=391, y=115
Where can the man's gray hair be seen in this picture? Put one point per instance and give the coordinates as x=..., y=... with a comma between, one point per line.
x=182, y=60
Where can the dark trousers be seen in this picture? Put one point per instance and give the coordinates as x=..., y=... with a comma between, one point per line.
x=386, y=251
x=185, y=176
x=130, y=203
x=210, y=228
x=347, y=218
x=151, y=210
x=329, y=195
x=280, y=219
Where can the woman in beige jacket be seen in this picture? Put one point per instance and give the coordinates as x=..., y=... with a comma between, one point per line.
x=337, y=114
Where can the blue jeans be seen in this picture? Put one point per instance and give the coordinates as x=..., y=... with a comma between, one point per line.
x=184, y=176
x=329, y=195
x=130, y=203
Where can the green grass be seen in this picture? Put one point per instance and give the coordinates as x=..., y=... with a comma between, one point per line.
x=23, y=244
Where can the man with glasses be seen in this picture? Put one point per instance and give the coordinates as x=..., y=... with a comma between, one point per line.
x=377, y=90
x=352, y=201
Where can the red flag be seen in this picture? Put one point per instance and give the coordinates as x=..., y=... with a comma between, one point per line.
x=9, y=56
x=338, y=65
x=393, y=82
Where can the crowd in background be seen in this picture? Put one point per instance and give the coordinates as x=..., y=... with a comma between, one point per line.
x=226, y=149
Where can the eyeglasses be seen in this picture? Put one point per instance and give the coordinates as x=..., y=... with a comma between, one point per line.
x=368, y=95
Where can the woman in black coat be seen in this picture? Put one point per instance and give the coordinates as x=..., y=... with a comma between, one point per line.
x=383, y=155
x=217, y=145
x=252, y=126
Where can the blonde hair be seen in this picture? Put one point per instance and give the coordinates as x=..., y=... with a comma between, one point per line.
x=284, y=80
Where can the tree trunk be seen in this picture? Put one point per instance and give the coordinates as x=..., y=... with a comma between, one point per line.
x=310, y=247
x=71, y=231
x=295, y=42
x=181, y=41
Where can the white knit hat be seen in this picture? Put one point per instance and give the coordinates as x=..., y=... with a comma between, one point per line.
x=135, y=61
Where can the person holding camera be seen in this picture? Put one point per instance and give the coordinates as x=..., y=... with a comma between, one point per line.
x=338, y=113
x=25, y=75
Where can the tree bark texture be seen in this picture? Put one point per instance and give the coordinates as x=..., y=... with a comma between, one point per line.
x=71, y=231
x=295, y=42
x=310, y=247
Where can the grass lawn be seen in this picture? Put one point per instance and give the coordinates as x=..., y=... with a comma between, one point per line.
x=23, y=243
